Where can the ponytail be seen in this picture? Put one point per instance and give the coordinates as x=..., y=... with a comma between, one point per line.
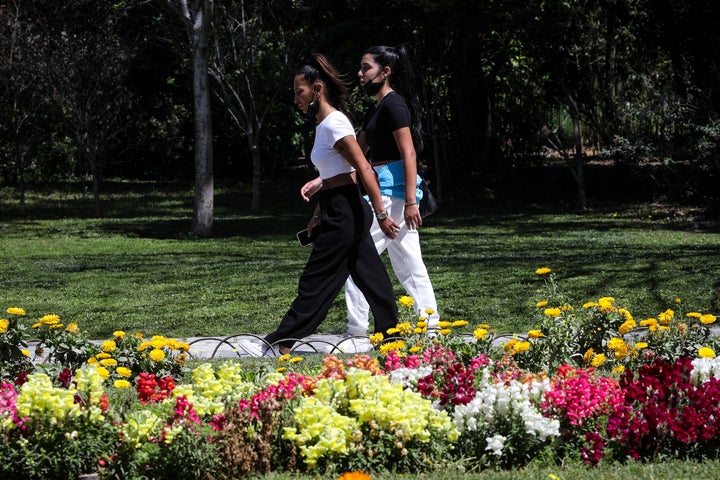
x=319, y=68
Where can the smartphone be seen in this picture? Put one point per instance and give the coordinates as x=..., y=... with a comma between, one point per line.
x=305, y=239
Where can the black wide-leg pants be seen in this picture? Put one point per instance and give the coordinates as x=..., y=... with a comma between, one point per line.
x=343, y=247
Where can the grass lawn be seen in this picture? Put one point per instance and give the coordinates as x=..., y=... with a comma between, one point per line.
x=137, y=269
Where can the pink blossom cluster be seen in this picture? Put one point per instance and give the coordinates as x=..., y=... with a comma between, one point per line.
x=272, y=398
x=8, y=397
x=578, y=396
x=451, y=382
x=151, y=389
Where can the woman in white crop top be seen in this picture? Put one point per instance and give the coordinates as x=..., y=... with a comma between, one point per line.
x=342, y=218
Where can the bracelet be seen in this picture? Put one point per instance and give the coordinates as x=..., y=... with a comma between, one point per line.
x=316, y=216
x=410, y=204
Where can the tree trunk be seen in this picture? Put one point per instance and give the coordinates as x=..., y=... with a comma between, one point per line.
x=579, y=172
x=257, y=172
x=202, y=223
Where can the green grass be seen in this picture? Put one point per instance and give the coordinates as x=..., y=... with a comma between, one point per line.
x=137, y=269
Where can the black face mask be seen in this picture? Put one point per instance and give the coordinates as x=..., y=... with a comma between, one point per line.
x=312, y=110
x=370, y=88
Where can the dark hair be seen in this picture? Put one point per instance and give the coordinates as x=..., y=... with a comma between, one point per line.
x=319, y=68
x=402, y=80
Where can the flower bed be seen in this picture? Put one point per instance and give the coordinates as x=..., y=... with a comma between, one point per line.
x=591, y=384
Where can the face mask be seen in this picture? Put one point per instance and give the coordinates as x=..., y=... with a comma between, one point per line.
x=370, y=88
x=313, y=109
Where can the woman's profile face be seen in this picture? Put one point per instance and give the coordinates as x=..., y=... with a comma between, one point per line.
x=369, y=69
x=303, y=93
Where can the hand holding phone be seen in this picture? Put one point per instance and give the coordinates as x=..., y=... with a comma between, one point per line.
x=306, y=239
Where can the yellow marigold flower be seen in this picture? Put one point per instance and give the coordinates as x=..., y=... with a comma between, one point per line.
x=376, y=338
x=693, y=314
x=429, y=311
x=625, y=314
x=641, y=345
x=651, y=323
x=15, y=311
x=4, y=325
x=393, y=330
x=419, y=330
x=605, y=305
x=445, y=331
x=73, y=328
x=123, y=372
x=284, y=357
x=281, y=369
x=619, y=369
x=103, y=372
x=157, y=355
x=483, y=325
x=56, y=326
x=678, y=300
x=621, y=352
x=588, y=356
x=543, y=271
x=522, y=346
x=102, y=355
x=535, y=334
x=707, y=319
x=405, y=328
x=541, y=304
x=422, y=324
x=415, y=349
x=459, y=323
x=108, y=346
x=392, y=346
x=119, y=334
x=444, y=324
x=296, y=359
x=509, y=346
x=25, y=352
x=108, y=362
x=122, y=384
x=480, y=333
x=597, y=360
x=92, y=361
x=663, y=328
x=50, y=320
x=406, y=301
x=355, y=476
x=666, y=317
x=552, y=312
x=590, y=305
x=626, y=327
x=706, y=352
x=615, y=343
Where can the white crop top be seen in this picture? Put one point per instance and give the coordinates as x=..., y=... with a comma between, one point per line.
x=326, y=159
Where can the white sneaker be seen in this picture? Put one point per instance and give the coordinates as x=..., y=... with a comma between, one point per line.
x=254, y=349
x=354, y=344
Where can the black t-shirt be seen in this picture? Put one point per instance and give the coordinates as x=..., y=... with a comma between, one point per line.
x=392, y=113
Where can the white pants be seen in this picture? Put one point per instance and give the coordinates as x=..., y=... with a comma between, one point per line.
x=406, y=260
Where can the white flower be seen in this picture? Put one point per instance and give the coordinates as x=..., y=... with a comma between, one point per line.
x=495, y=444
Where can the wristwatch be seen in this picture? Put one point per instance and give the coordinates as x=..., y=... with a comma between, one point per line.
x=381, y=215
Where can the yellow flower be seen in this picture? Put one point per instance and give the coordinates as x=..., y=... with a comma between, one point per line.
x=50, y=320
x=376, y=338
x=444, y=324
x=4, y=325
x=103, y=372
x=123, y=372
x=619, y=369
x=706, y=352
x=615, y=343
x=415, y=349
x=625, y=314
x=543, y=271
x=522, y=346
x=445, y=331
x=296, y=359
x=535, y=334
x=590, y=305
x=626, y=327
x=542, y=304
x=641, y=345
x=281, y=369
x=122, y=384
x=509, y=346
x=392, y=331
x=429, y=311
x=693, y=314
x=157, y=355
x=25, y=352
x=707, y=319
x=108, y=362
x=405, y=328
x=73, y=328
x=587, y=358
x=16, y=311
x=284, y=357
x=650, y=323
x=119, y=334
x=552, y=312
x=459, y=323
x=108, y=346
x=480, y=333
x=392, y=346
x=598, y=360
x=406, y=301
x=666, y=317
x=678, y=300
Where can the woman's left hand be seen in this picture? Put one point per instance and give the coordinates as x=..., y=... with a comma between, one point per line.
x=413, y=219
